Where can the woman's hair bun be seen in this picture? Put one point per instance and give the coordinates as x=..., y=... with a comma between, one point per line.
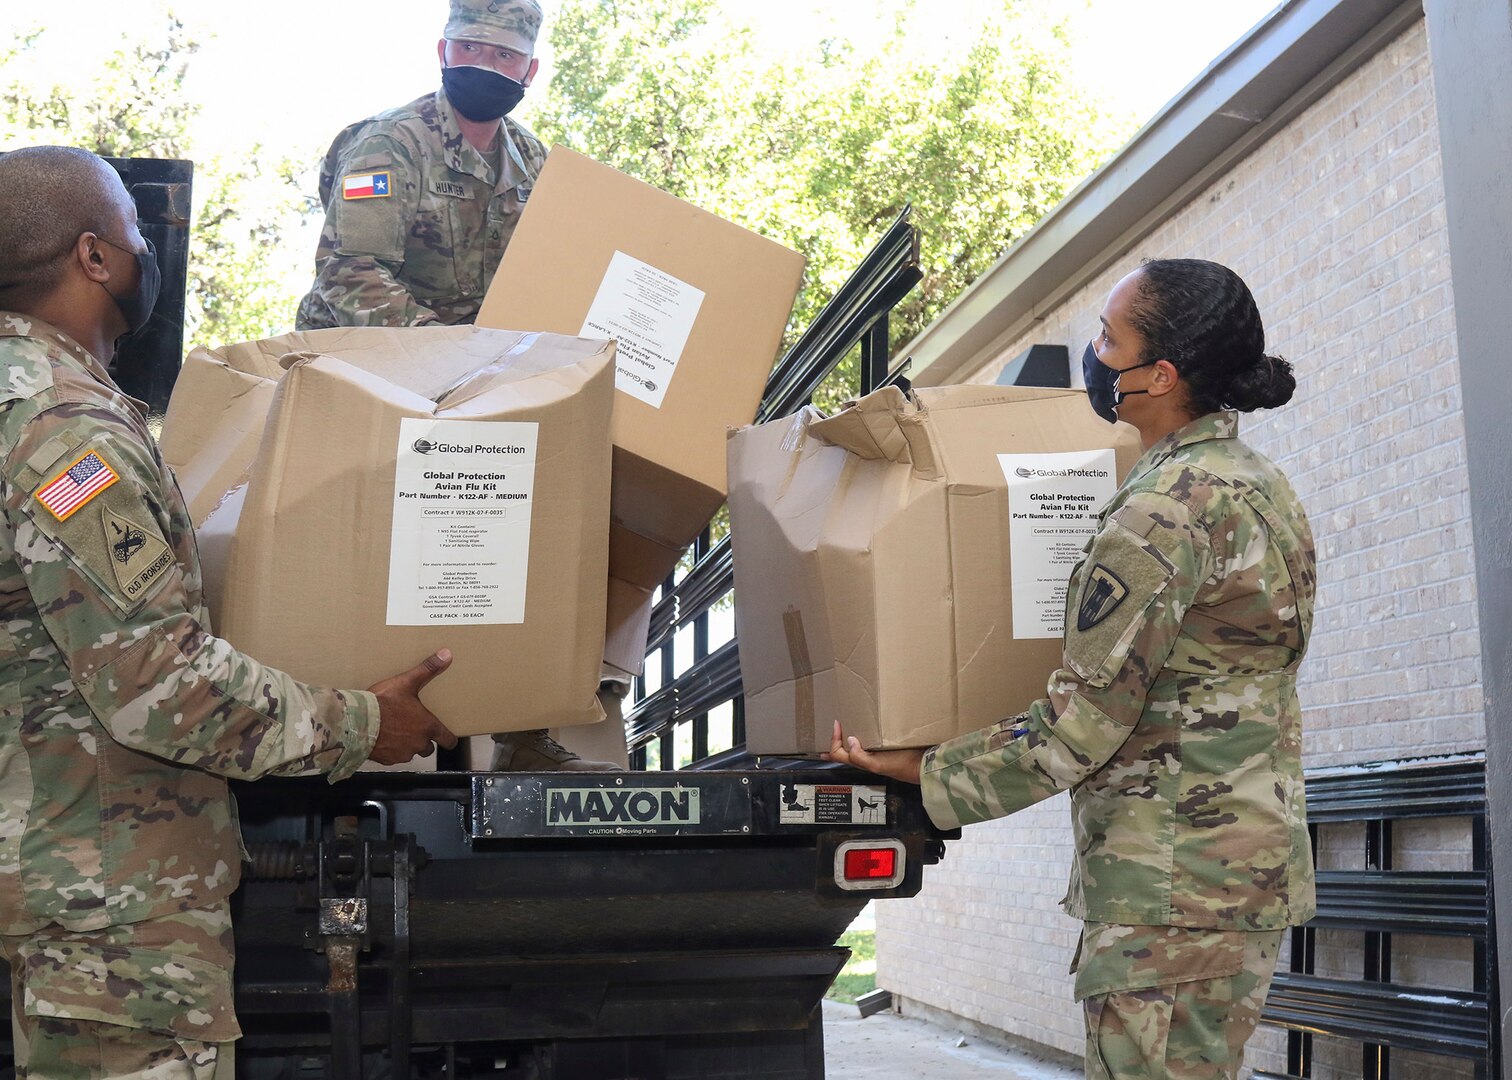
x=1268, y=383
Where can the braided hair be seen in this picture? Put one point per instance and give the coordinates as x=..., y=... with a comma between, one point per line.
x=1201, y=317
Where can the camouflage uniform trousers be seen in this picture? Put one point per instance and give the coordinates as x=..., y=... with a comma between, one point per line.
x=1171, y=1002
x=149, y=1038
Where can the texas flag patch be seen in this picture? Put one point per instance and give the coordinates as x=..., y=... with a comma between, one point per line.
x=374, y=185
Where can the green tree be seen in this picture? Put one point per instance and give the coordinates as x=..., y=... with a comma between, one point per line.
x=243, y=211
x=819, y=147
x=822, y=147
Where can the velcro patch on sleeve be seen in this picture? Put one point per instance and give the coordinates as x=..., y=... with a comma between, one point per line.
x=1100, y=596
x=1119, y=584
x=368, y=185
x=72, y=489
x=50, y=453
x=117, y=546
x=138, y=554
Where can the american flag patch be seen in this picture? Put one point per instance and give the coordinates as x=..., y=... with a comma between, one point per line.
x=76, y=485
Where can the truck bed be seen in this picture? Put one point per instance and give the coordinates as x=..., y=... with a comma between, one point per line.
x=412, y=924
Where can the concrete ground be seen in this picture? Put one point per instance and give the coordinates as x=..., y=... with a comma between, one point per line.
x=887, y=1046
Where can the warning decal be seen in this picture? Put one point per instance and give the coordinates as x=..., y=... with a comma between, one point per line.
x=832, y=804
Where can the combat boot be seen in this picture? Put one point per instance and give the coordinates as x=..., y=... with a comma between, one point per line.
x=536, y=751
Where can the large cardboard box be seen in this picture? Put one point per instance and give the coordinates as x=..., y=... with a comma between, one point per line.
x=902, y=566
x=365, y=496
x=698, y=306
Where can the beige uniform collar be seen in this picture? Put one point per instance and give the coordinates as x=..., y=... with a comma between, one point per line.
x=462, y=157
x=15, y=324
x=1209, y=426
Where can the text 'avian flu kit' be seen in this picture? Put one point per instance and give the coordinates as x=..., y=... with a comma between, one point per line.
x=366, y=496
x=902, y=566
x=697, y=306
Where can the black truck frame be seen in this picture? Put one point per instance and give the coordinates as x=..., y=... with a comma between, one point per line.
x=447, y=924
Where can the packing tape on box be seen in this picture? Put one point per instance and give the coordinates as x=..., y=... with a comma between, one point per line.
x=498, y=367
x=803, y=673
x=793, y=441
x=797, y=431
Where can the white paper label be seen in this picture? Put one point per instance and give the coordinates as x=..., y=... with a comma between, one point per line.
x=649, y=314
x=832, y=804
x=461, y=547
x=1053, y=503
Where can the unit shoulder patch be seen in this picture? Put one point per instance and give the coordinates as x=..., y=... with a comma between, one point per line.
x=138, y=555
x=117, y=546
x=1101, y=595
x=72, y=489
x=368, y=185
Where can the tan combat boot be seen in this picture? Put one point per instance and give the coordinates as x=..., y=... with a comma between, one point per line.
x=536, y=751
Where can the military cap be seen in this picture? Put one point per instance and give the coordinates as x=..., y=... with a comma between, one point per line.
x=511, y=24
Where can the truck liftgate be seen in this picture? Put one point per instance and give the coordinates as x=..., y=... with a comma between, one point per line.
x=672, y=924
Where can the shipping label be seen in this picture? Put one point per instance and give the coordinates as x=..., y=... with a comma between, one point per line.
x=832, y=804
x=649, y=314
x=462, y=497
x=1053, y=503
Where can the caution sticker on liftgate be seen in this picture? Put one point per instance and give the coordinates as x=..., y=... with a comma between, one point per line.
x=832, y=804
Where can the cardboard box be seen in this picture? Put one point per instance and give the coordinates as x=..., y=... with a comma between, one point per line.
x=350, y=533
x=698, y=306
x=902, y=565
x=216, y=417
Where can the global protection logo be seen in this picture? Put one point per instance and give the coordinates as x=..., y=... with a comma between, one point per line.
x=1030, y=474
x=425, y=446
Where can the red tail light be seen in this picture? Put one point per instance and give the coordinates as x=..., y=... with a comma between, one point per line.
x=870, y=864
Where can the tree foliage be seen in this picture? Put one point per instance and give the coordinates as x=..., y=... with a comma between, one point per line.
x=137, y=106
x=819, y=145
x=822, y=148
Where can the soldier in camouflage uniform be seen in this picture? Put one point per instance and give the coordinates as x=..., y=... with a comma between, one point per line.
x=420, y=203
x=122, y=713
x=1174, y=720
x=421, y=200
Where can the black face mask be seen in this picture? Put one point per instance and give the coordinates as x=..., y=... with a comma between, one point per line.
x=136, y=306
x=480, y=93
x=1102, y=384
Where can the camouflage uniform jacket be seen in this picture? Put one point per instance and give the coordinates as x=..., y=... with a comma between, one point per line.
x=121, y=713
x=1174, y=721
x=416, y=218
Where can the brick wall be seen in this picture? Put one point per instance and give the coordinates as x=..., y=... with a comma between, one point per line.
x=1337, y=224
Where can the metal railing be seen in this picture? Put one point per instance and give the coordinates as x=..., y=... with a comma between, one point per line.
x=1380, y=901
x=667, y=699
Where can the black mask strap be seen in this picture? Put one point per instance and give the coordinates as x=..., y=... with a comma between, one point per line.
x=1119, y=395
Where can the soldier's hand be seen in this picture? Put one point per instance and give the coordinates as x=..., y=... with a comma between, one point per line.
x=898, y=764
x=406, y=728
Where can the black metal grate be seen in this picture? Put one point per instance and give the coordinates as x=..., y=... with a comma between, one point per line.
x=856, y=317
x=1381, y=901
